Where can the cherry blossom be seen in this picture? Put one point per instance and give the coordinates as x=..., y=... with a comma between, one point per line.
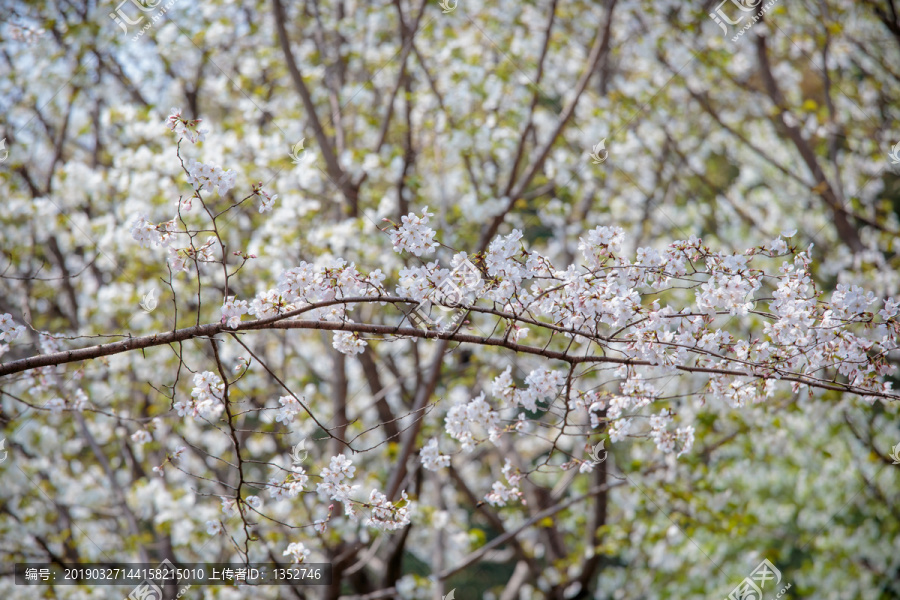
x=206, y=398
x=266, y=201
x=386, y=515
x=348, y=343
x=208, y=176
x=431, y=458
x=214, y=527
x=643, y=302
x=141, y=436
x=414, y=235
x=232, y=310
x=297, y=551
x=185, y=128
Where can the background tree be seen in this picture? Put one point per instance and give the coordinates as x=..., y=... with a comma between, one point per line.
x=487, y=115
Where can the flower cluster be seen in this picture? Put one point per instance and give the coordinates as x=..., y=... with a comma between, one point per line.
x=414, y=235
x=308, y=283
x=333, y=486
x=181, y=259
x=289, y=408
x=266, y=201
x=501, y=495
x=730, y=287
x=501, y=263
x=601, y=243
x=462, y=420
x=636, y=394
x=77, y=403
x=387, y=516
x=349, y=343
x=206, y=397
x=9, y=331
x=141, y=436
x=665, y=440
x=147, y=234
x=232, y=310
x=431, y=457
x=163, y=234
x=289, y=487
x=185, y=128
x=203, y=176
x=542, y=385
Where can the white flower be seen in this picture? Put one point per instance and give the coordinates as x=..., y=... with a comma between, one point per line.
x=276, y=488
x=254, y=502
x=299, y=479
x=203, y=176
x=348, y=342
x=141, y=436
x=232, y=310
x=461, y=420
x=145, y=232
x=266, y=201
x=207, y=397
x=385, y=515
x=186, y=128
x=600, y=243
x=289, y=407
x=56, y=405
x=80, y=400
x=431, y=458
x=777, y=246
x=228, y=506
x=414, y=235
x=9, y=331
x=298, y=551
x=685, y=437
x=888, y=312
x=333, y=485
x=214, y=527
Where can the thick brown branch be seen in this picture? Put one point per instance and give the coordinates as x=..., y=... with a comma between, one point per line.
x=282, y=322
